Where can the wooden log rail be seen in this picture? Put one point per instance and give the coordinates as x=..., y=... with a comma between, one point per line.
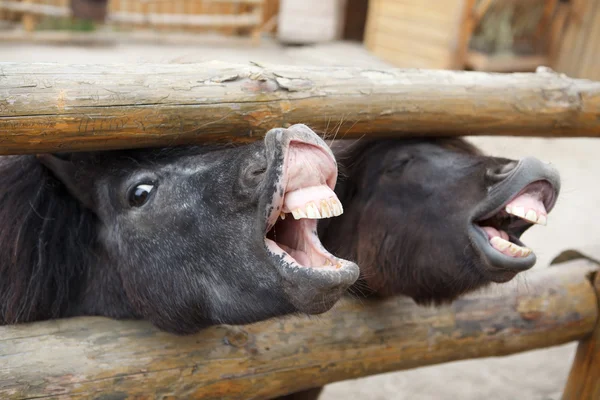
x=50, y=107
x=89, y=357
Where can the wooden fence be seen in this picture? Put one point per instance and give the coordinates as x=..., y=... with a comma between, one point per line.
x=411, y=33
x=49, y=107
x=580, y=45
x=224, y=16
x=44, y=107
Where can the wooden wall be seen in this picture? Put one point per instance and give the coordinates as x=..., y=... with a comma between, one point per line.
x=579, y=50
x=414, y=33
x=187, y=7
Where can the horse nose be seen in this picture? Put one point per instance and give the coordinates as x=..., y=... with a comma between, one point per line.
x=302, y=133
x=497, y=173
x=297, y=134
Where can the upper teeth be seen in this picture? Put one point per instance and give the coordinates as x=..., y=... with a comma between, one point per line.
x=531, y=215
x=324, y=208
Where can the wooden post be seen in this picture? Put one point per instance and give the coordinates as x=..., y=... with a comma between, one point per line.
x=270, y=25
x=97, y=357
x=257, y=30
x=4, y=15
x=29, y=19
x=584, y=379
x=50, y=107
x=544, y=26
x=557, y=32
x=467, y=26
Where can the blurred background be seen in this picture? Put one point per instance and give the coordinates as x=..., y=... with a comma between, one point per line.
x=483, y=35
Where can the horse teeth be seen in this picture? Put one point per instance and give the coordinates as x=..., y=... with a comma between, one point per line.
x=525, y=251
x=336, y=206
x=518, y=211
x=504, y=246
x=282, y=215
x=531, y=216
x=325, y=209
x=298, y=214
x=500, y=244
x=319, y=209
x=312, y=211
x=514, y=250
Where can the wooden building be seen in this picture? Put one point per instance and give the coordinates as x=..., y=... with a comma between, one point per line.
x=482, y=35
x=564, y=35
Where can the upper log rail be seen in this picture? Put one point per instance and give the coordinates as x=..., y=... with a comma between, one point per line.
x=53, y=107
x=85, y=357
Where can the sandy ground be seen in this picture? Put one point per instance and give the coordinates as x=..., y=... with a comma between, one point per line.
x=538, y=375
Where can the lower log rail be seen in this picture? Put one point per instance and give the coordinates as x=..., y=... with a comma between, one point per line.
x=89, y=357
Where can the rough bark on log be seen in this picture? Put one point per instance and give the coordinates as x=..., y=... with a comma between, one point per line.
x=584, y=379
x=89, y=357
x=50, y=107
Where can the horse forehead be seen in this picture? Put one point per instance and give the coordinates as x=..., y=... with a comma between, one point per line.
x=189, y=166
x=445, y=156
x=175, y=166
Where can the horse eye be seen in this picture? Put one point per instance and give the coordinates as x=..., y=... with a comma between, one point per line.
x=139, y=195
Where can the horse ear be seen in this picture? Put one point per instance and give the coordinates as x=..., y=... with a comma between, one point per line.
x=65, y=171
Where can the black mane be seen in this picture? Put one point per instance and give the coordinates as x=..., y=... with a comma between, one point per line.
x=45, y=242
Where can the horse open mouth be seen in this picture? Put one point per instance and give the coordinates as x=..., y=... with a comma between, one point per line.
x=294, y=233
x=505, y=227
x=309, y=176
x=303, y=173
x=523, y=199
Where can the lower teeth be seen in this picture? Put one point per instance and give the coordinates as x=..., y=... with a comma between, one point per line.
x=509, y=248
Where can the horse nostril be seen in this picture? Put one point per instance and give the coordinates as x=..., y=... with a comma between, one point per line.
x=259, y=171
x=499, y=172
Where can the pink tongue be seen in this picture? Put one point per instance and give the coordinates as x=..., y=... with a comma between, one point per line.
x=493, y=232
x=299, y=198
x=529, y=201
